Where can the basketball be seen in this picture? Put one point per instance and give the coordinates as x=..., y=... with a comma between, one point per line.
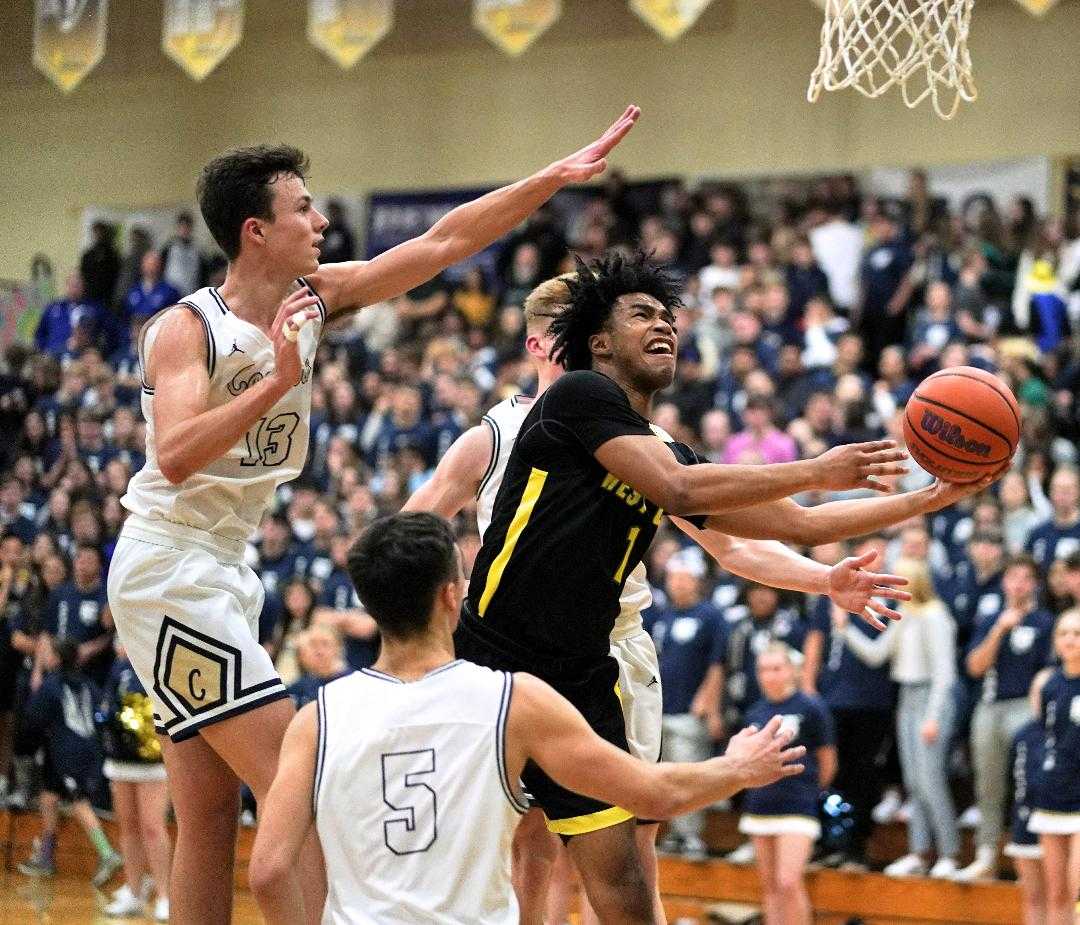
x=962, y=423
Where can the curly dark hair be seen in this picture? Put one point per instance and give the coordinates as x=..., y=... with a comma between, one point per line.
x=594, y=290
x=235, y=186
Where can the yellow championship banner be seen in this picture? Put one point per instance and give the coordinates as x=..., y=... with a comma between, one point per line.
x=1038, y=7
x=671, y=18
x=514, y=25
x=346, y=30
x=69, y=39
x=199, y=34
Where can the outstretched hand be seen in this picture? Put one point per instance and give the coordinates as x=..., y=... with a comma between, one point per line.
x=854, y=589
x=591, y=160
x=762, y=755
x=859, y=465
x=944, y=494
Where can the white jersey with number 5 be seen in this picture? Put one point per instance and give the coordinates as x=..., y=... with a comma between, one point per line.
x=228, y=497
x=413, y=807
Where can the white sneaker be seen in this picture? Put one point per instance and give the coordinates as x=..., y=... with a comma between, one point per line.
x=984, y=867
x=970, y=818
x=161, y=909
x=124, y=904
x=910, y=865
x=887, y=809
x=903, y=814
x=944, y=869
x=744, y=855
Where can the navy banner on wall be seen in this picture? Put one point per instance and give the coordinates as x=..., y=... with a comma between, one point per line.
x=393, y=218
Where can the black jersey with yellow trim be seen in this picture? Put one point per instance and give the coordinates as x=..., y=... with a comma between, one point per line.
x=565, y=533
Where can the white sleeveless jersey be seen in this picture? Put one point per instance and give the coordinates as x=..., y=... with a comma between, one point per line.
x=505, y=420
x=228, y=498
x=413, y=806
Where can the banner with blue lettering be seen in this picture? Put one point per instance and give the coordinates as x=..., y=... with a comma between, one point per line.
x=396, y=217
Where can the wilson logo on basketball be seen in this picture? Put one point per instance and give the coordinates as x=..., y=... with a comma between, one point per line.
x=951, y=434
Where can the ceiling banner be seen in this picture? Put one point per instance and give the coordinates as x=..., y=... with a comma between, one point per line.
x=199, y=34
x=346, y=30
x=69, y=39
x=671, y=18
x=514, y=25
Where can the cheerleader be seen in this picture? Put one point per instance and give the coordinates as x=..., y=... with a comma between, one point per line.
x=1056, y=817
x=782, y=819
x=1026, y=759
x=136, y=777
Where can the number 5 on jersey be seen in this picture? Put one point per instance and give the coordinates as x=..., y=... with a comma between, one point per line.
x=412, y=828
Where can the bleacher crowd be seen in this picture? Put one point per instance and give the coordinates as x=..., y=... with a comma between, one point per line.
x=811, y=313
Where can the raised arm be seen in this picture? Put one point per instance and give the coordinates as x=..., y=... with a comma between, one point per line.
x=463, y=232
x=648, y=465
x=284, y=822
x=190, y=435
x=458, y=475
x=769, y=562
x=544, y=727
x=789, y=522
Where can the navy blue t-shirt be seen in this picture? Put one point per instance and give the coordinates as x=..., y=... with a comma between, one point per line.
x=1048, y=542
x=688, y=641
x=338, y=592
x=1059, y=785
x=793, y=796
x=1021, y=655
x=970, y=599
x=306, y=688
x=271, y=617
x=277, y=571
x=1026, y=758
x=71, y=613
x=846, y=682
x=746, y=637
x=62, y=709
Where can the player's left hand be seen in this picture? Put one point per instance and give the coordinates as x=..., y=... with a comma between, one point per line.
x=854, y=589
x=591, y=160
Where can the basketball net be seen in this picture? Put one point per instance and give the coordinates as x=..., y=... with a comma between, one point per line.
x=921, y=45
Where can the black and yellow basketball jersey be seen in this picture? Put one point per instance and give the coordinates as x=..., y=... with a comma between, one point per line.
x=564, y=532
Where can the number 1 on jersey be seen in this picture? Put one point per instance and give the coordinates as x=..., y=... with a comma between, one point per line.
x=631, y=538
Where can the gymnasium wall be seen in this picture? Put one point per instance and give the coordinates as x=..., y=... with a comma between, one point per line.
x=435, y=105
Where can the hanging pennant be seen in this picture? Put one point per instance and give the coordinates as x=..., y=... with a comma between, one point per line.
x=671, y=18
x=199, y=34
x=69, y=39
x=514, y=25
x=1038, y=7
x=346, y=30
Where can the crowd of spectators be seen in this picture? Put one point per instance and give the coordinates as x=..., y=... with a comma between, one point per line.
x=809, y=317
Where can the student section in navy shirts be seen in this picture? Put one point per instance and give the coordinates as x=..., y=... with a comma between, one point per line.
x=846, y=682
x=1059, y=786
x=813, y=726
x=1022, y=653
x=687, y=642
x=1048, y=542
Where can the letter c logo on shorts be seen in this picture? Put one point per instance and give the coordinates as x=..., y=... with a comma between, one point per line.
x=193, y=675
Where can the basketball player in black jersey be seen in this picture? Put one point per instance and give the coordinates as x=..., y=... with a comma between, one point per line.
x=584, y=492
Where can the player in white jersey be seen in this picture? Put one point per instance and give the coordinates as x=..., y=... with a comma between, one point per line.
x=411, y=768
x=473, y=468
x=227, y=380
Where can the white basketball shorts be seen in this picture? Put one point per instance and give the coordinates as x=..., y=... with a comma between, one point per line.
x=640, y=693
x=190, y=622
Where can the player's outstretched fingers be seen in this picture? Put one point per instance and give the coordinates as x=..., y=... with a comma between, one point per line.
x=884, y=610
x=790, y=760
